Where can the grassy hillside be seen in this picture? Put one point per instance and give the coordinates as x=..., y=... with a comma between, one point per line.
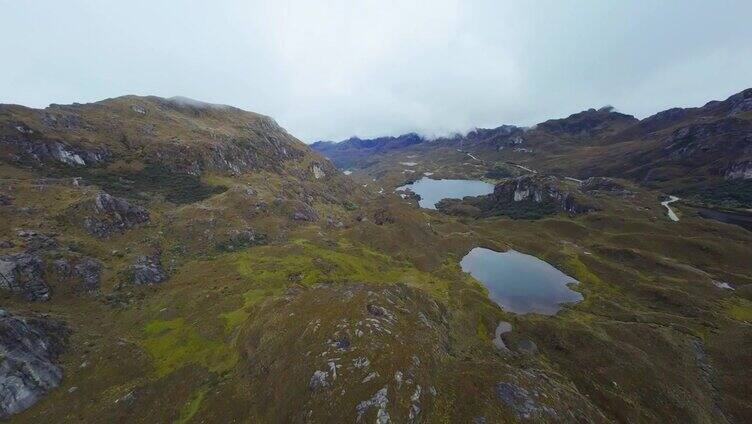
x=290, y=292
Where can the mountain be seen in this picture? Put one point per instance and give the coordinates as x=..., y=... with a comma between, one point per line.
x=703, y=152
x=170, y=260
x=345, y=153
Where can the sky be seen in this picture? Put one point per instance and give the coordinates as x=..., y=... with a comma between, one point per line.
x=328, y=70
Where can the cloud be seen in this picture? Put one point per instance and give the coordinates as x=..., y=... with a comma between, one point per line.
x=340, y=68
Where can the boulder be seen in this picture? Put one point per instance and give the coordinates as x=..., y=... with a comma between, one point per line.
x=34, y=240
x=21, y=273
x=305, y=213
x=111, y=215
x=28, y=349
x=148, y=270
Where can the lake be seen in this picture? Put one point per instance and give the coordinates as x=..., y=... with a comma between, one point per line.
x=520, y=283
x=433, y=191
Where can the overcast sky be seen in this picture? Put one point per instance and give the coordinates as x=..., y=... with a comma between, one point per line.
x=332, y=69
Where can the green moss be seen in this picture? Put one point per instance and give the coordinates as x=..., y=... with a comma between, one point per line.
x=234, y=318
x=191, y=407
x=580, y=271
x=172, y=344
x=482, y=332
x=740, y=309
x=307, y=263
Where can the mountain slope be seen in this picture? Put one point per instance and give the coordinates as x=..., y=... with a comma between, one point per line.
x=691, y=151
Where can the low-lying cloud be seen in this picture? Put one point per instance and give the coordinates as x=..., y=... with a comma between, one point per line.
x=335, y=69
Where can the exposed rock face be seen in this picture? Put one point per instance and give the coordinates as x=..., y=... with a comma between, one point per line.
x=148, y=270
x=317, y=171
x=740, y=171
x=113, y=214
x=21, y=273
x=539, y=190
x=35, y=240
x=28, y=348
x=62, y=269
x=89, y=271
x=521, y=401
x=305, y=213
x=526, y=197
x=38, y=153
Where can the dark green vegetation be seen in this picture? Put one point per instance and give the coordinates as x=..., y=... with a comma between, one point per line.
x=141, y=184
x=296, y=294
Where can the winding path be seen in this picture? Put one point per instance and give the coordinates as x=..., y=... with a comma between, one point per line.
x=671, y=214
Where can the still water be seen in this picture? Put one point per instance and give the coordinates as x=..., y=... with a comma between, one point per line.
x=520, y=283
x=432, y=191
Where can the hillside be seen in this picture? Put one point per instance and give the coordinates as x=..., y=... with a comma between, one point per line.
x=168, y=260
x=704, y=152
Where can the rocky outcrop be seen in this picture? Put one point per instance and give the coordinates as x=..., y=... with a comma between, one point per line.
x=526, y=197
x=304, y=212
x=35, y=240
x=21, y=273
x=28, y=349
x=148, y=270
x=540, y=190
x=604, y=184
x=24, y=150
x=109, y=215
x=355, y=352
x=740, y=171
x=88, y=270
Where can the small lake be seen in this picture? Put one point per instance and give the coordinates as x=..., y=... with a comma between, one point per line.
x=433, y=191
x=520, y=283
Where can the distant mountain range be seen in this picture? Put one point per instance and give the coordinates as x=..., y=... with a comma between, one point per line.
x=702, y=151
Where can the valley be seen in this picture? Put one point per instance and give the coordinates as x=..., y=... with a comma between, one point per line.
x=190, y=262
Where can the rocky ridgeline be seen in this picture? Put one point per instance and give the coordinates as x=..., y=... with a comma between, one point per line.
x=183, y=138
x=28, y=350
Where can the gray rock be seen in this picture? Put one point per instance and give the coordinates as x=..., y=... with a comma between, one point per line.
x=112, y=215
x=62, y=269
x=6, y=244
x=89, y=271
x=527, y=347
x=148, y=270
x=378, y=400
x=318, y=380
x=21, y=273
x=305, y=213
x=521, y=401
x=28, y=347
x=35, y=240
x=498, y=342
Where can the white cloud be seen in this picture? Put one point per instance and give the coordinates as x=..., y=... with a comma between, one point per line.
x=328, y=70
